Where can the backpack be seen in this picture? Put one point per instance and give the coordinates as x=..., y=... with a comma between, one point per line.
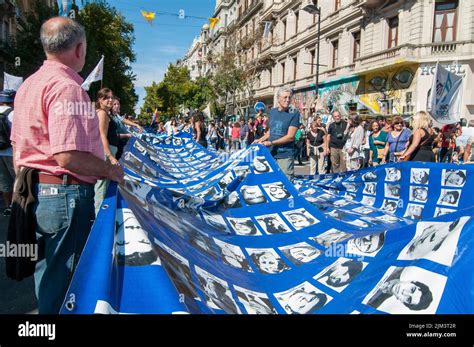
x=5, y=130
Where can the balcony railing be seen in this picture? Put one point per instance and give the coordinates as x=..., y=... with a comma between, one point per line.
x=405, y=51
x=250, y=10
x=444, y=48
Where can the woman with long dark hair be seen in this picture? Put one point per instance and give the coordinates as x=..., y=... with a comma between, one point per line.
x=110, y=136
x=199, y=129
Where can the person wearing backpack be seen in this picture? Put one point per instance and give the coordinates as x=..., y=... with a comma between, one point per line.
x=7, y=173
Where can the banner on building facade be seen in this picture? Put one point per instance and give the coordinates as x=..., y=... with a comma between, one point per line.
x=444, y=101
x=190, y=231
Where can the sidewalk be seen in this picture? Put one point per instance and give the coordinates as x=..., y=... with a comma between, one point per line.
x=15, y=297
x=302, y=169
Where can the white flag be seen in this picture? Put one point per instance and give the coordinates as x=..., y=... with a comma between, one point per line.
x=266, y=30
x=11, y=82
x=444, y=103
x=96, y=75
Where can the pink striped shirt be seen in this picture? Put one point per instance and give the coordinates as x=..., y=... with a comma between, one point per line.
x=53, y=114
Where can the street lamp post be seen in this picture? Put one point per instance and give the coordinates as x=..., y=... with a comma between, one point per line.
x=311, y=6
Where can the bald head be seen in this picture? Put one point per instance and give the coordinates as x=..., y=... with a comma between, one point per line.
x=64, y=40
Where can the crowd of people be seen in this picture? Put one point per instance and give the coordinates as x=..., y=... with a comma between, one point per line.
x=66, y=156
x=337, y=144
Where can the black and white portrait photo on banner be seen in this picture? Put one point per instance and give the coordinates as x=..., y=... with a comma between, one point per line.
x=368, y=200
x=302, y=299
x=440, y=211
x=252, y=195
x=351, y=187
x=366, y=246
x=260, y=165
x=363, y=210
x=358, y=223
x=414, y=211
x=273, y=224
x=226, y=180
x=267, y=260
x=300, y=253
x=216, y=292
x=393, y=174
x=232, y=200
x=276, y=191
x=435, y=241
x=386, y=218
x=216, y=221
x=370, y=188
x=244, y=226
x=330, y=237
x=390, y=206
x=368, y=177
x=449, y=197
x=178, y=269
x=392, y=190
x=418, y=194
x=254, y=302
x=342, y=203
x=338, y=275
x=241, y=171
x=300, y=218
x=232, y=255
x=453, y=178
x=407, y=290
x=132, y=244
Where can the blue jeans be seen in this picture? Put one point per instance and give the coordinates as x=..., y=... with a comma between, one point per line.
x=64, y=215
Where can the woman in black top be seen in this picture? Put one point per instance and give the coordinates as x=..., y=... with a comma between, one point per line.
x=421, y=148
x=317, y=146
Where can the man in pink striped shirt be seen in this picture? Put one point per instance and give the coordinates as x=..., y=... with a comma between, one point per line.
x=56, y=132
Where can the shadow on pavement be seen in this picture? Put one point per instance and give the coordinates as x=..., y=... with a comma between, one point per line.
x=15, y=297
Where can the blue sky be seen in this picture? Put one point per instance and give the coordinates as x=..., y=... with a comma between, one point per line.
x=167, y=40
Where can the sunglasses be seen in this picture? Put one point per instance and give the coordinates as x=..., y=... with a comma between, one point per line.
x=398, y=123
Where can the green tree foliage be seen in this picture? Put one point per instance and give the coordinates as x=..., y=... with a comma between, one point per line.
x=175, y=93
x=228, y=79
x=108, y=34
x=25, y=54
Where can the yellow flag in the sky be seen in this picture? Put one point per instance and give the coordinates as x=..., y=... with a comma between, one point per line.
x=149, y=16
x=213, y=22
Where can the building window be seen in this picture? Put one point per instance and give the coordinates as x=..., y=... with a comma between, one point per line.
x=445, y=20
x=356, y=53
x=240, y=11
x=270, y=76
x=338, y=5
x=335, y=53
x=297, y=15
x=284, y=30
x=312, y=62
x=295, y=68
x=393, y=32
x=282, y=72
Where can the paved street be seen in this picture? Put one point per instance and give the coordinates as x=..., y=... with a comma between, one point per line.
x=302, y=169
x=15, y=297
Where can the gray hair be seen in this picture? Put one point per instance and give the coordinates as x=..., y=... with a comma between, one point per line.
x=282, y=90
x=61, y=36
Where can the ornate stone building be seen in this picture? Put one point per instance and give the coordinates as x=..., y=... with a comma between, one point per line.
x=376, y=56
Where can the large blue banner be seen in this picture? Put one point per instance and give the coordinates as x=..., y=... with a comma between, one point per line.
x=192, y=231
